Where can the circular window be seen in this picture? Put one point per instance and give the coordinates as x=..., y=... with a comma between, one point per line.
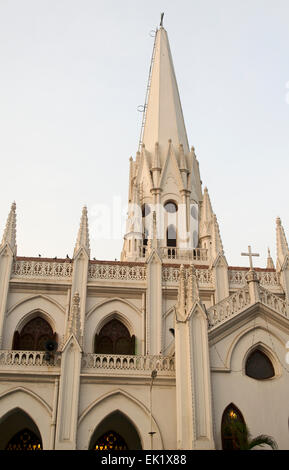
x=171, y=207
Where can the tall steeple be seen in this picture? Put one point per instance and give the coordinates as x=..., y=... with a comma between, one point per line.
x=165, y=174
x=164, y=115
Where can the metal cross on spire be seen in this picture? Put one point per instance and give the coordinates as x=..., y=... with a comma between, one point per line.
x=250, y=254
x=162, y=18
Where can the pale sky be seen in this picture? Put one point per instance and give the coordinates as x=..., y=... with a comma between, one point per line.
x=73, y=73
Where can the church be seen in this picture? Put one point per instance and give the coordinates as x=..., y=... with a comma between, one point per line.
x=162, y=349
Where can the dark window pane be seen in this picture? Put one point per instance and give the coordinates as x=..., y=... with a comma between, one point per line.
x=259, y=366
x=171, y=236
x=114, y=338
x=34, y=335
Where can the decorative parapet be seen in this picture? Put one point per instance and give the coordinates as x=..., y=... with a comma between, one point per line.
x=243, y=298
x=274, y=302
x=228, y=307
x=119, y=272
x=29, y=360
x=268, y=279
x=128, y=365
x=42, y=269
x=171, y=274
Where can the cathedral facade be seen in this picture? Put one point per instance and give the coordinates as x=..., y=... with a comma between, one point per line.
x=161, y=349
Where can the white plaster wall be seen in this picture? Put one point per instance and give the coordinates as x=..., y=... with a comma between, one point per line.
x=264, y=404
x=97, y=400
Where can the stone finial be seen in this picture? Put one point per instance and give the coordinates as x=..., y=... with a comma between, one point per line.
x=83, y=233
x=9, y=235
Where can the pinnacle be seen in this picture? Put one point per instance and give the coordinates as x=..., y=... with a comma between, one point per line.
x=282, y=244
x=9, y=235
x=83, y=233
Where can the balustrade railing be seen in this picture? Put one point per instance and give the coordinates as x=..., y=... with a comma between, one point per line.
x=274, y=302
x=172, y=253
x=197, y=254
x=29, y=358
x=128, y=363
x=228, y=307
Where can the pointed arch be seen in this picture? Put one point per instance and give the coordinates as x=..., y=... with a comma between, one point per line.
x=107, y=310
x=241, y=336
x=34, y=406
x=28, y=308
x=271, y=364
x=18, y=431
x=34, y=333
x=113, y=299
x=122, y=401
x=230, y=415
x=32, y=297
x=114, y=338
x=115, y=432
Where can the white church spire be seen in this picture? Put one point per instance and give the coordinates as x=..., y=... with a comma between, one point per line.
x=9, y=235
x=164, y=115
x=83, y=233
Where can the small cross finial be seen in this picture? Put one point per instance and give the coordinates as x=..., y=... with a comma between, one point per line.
x=162, y=17
x=250, y=254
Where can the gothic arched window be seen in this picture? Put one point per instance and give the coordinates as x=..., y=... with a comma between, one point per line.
x=24, y=440
x=114, y=338
x=111, y=440
x=231, y=416
x=33, y=335
x=258, y=366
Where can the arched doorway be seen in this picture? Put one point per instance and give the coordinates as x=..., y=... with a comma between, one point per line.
x=231, y=416
x=115, y=432
x=114, y=338
x=19, y=432
x=33, y=335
